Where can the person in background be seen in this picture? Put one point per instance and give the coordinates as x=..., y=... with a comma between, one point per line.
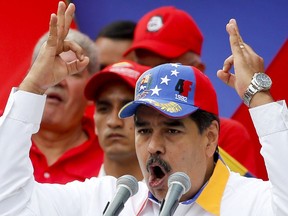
x=113, y=40
x=111, y=89
x=173, y=134
x=66, y=147
x=168, y=34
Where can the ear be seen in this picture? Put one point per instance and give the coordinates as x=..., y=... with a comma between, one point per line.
x=212, y=137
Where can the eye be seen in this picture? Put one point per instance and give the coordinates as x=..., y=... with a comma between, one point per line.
x=173, y=131
x=143, y=131
x=102, y=109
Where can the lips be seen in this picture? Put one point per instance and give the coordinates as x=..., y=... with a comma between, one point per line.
x=54, y=97
x=115, y=136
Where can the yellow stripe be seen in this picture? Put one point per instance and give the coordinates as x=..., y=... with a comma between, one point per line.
x=232, y=163
x=211, y=196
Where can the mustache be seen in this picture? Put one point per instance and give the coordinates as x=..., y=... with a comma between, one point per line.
x=156, y=159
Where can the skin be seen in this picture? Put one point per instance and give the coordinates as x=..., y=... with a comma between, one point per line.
x=177, y=142
x=146, y=57
x=111, y=50
x=116, y=136
x=66, y=97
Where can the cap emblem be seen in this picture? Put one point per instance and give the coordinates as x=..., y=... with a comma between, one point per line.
x=154, y=24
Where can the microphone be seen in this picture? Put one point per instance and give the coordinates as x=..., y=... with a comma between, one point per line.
x=127, y=186
x=178, y=184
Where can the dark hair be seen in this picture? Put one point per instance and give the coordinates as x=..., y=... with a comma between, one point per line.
x=123, y=29
x=203, y=119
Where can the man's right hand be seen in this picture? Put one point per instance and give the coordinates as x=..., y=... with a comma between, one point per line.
x=49, y=68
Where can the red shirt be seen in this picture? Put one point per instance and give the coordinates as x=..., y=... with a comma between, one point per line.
x=79, y=163
x=235, y=140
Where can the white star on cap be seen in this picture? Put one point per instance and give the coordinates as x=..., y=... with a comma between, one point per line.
x=155, y=90
x=142, y=87
x=174, y=72
x=174, y=65
x=165, y=80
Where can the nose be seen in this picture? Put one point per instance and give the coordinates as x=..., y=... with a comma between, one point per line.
x=113, y=120
x=156, y=144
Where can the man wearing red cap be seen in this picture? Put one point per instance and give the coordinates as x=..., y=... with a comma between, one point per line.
x=168, y=34
x=173, y=134
x=110, y=89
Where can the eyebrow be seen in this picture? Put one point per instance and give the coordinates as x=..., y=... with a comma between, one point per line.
x=170, y=123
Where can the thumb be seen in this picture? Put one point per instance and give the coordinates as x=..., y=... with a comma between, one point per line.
x=77, y=65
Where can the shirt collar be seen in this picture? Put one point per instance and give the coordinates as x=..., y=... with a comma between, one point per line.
x=211, y=196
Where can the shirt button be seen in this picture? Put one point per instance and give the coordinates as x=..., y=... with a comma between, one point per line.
x=46, y=175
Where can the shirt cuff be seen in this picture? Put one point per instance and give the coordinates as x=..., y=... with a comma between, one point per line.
x=27, y=107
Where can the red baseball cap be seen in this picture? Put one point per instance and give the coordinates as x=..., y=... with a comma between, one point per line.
x=126, y=71
x=167, y=31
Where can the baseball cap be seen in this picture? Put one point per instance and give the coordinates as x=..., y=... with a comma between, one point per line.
x=167, y=31
x=174, y=90
x=126, y=71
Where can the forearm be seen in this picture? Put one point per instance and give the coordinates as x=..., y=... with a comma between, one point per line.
x=271, y=123
x=20, y=120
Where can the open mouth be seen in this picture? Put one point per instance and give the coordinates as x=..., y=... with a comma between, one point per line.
x=157, y=172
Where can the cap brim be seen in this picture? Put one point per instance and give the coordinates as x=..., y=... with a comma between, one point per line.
x=167, y=108
x=160, y=48
x=100, y=79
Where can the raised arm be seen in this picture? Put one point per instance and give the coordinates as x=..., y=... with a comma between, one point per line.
x=269, y=117
x=22, y=117
x=48, y=68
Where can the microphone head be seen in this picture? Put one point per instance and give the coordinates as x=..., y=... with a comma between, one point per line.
x=180, y=178
x=130, y=182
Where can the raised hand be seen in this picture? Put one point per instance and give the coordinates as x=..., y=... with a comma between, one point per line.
x=49, y=68
x=245, y=61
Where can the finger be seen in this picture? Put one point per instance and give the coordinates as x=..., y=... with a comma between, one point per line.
x=52, y=37
x=76, y=48
x=236, y=41
x=228, y=63
x=226, y=77
x=69, y=16
x=61, y=20
x=77, y=65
